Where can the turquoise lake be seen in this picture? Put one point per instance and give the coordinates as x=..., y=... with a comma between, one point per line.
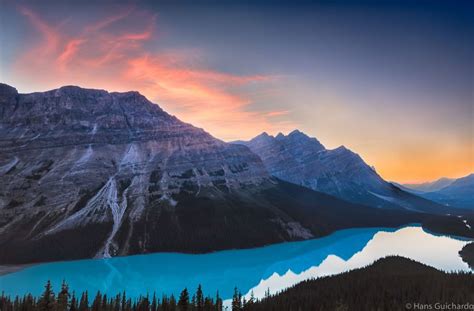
x=272, y=267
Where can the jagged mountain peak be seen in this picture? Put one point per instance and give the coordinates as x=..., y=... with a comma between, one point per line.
x=300, y=159
x=291, y=141
x=297, y=132
x=263, y=137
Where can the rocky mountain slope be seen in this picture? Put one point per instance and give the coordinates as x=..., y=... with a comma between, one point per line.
x=304, y=161
x=87, y=173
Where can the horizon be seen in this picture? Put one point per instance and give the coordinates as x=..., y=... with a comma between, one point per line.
x=408, y=112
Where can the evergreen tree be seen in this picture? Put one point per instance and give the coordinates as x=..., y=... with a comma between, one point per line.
x=154, y=304
x=145, y=305
x=63, y=297
x=97, y=303
x=218, y=306
x=84, y=303
x=199, y=299
x=208, y=303
x=236, y=300
x=73, y=305
x=248, y=304
x=117, y=302
x=16, y=303
x=128, y=305
x=47, y=301
x=172, y=303
x=124, y=301
x=104, y=303
x=29, y=302
x=267, y=293
x=183, y=302
x=165, y=303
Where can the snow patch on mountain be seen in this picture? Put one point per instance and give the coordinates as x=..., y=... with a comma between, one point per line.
x=7, y=167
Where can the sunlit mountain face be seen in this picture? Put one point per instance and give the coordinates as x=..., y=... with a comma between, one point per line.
x=390, y=81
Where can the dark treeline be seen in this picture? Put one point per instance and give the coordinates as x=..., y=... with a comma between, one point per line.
x=67, y=301
x=389, y=284
x=467, y=254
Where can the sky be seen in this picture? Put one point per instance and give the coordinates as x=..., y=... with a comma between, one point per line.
x=391, y=80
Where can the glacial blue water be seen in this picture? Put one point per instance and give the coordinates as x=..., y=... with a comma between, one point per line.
x=272, y=267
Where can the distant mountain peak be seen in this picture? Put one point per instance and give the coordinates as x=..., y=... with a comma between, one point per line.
x=431, y=185
x=297, y=132
x=264, y=134
x=262, y=138
x=451, y=192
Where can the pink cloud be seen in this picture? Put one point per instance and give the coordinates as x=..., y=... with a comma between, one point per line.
x=50, y=35
x=69, y=51
x=277, y=113
x=105, y=22
x=102, y=56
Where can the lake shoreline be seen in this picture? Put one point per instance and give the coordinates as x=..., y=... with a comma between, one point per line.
x=252, y=270
x=7, y=269
x=12, y=268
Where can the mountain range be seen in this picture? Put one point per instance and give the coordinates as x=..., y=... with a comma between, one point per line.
x=450, y=192
x=87, y=173
x=303, y=160
x=429, y=186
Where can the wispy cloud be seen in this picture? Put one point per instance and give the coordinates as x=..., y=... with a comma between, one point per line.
x=115, y=53
x=277, y=113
